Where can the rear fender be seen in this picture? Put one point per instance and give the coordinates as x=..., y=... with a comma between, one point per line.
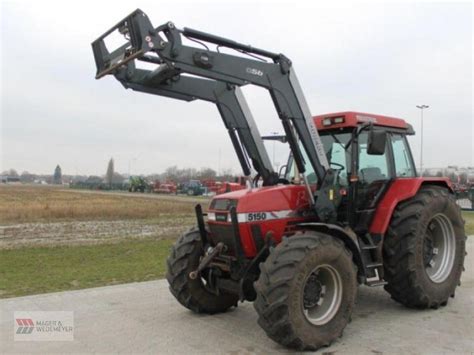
x=347, y=237
x=400, y=190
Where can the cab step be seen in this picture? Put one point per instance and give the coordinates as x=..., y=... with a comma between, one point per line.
x=373, y=265
x=376, y=283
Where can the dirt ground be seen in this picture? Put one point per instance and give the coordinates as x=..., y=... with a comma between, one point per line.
x=89, y=232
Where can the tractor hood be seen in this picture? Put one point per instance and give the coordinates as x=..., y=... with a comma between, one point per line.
x=263, y=199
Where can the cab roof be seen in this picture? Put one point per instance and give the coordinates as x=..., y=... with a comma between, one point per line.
x=354, y=119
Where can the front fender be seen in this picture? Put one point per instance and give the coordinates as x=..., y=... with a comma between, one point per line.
x=348, y=237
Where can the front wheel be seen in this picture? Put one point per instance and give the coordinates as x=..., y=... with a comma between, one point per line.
x=306, y=291
x=193, y=293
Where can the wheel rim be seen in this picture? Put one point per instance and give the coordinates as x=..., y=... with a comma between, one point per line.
x=439, y=248
x=322, y=294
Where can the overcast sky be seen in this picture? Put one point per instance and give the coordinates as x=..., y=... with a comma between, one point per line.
x=372, y=57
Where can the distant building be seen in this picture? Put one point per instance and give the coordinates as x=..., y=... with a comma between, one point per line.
x=9, y=179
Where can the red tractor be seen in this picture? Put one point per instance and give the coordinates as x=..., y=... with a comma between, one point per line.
x=349, y=210
x=167, y=188
x=211, y=185
x=239, y=183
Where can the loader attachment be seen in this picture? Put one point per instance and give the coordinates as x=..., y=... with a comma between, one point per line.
x=136, y=29
x=188, y=73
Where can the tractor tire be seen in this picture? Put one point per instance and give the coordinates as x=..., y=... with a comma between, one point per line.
x=192, y=294
x=424, y=249
x=306, y=291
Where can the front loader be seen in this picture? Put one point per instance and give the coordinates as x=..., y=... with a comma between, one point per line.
x=348, y=210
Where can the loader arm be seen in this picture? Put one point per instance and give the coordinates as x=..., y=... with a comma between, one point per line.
x=231, y=104
x=163, y=46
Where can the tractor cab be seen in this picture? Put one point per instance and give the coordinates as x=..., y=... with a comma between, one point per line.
x=368, y=152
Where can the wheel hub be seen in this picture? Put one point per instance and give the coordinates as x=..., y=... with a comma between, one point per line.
x=322, y=295
x=439, y=248
x=428, y=249
x=312, y=291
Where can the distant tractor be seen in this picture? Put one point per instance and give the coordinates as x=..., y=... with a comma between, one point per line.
x=349, y=210
x=138, y=184
x=166, y=188
x=239, y=183
x=192, y=188
x=211, y=185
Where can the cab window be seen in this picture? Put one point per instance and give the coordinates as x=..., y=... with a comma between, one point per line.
x=402, y=157
x=338, y=157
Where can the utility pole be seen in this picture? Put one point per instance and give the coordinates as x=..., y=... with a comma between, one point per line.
x=421, y=107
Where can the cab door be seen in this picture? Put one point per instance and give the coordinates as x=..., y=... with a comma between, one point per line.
x=375, y=173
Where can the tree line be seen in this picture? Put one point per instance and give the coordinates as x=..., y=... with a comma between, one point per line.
x=112, y=177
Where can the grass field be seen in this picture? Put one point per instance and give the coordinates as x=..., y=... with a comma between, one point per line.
x=26, y=271
x=469, y=219
x=53, y=239
x=21, y=204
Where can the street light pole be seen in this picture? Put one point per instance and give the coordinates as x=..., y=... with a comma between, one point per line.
x=421, y=107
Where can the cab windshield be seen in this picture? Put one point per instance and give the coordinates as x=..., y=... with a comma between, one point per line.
x=338, y=156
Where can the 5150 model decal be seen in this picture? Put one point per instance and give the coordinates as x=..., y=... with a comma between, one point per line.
x=256, y=216
x=252, y=216
x=264, y=216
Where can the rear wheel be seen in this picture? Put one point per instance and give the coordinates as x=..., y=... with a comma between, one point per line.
x=306, y=291
x=424, y=249
x=193, y=294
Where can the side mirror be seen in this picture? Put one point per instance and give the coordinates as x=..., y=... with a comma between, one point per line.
x=376, y=142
